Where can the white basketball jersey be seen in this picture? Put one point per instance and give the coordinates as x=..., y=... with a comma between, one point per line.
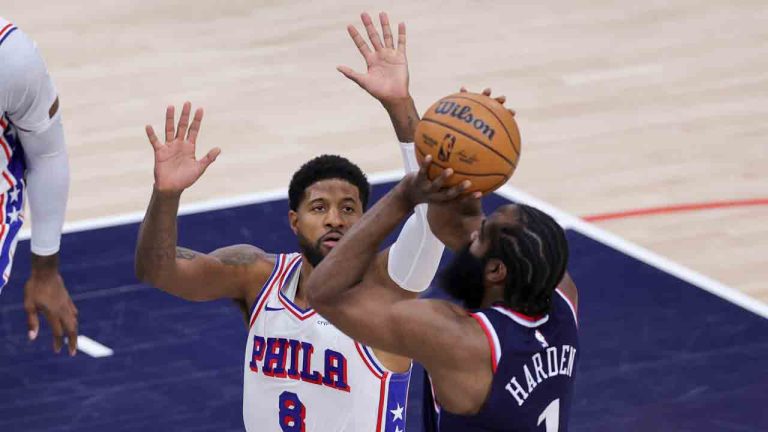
x=303, y=374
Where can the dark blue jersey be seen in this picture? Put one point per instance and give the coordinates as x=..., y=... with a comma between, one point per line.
x=534, y=364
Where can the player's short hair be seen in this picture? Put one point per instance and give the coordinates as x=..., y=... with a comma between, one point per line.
x=535, y=252
x=327, y=167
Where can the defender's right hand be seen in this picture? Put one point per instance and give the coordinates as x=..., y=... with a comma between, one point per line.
x=175, y=165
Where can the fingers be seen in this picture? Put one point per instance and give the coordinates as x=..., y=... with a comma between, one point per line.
x=57, y=330
x=401, y=37
x=156, y=144
x=438, y=183
x=208, y=159
x=386, y=30
x=181, y=131
x=33, y=321
x=351, y=74
x=500, y=99
x=170, y=113
x=456, y=191
x=69, y=322
x=373, y=35
x=359, y=41
x=487, y=92
x=463, y=89
x=194, y=129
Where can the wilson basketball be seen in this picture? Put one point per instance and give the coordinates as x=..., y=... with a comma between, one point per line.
x=474, y=135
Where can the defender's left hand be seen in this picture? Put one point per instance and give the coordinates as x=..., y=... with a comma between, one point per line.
x=387, y=76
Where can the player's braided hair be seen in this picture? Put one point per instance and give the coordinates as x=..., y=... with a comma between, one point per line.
x=326, y=167
x=535, y=252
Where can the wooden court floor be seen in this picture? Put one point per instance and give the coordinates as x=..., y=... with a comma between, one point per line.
x=622, y=105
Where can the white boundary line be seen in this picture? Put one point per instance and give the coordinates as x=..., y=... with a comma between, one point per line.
x=509, y=192
x=92, y=348
x=640, y=253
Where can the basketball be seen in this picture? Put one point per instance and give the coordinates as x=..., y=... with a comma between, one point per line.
x=473, y=134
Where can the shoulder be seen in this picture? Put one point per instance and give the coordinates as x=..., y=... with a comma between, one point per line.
x=568, y=289
x=247, y=257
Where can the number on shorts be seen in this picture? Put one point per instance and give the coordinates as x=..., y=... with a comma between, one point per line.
x=551, y=416
x=291, y=412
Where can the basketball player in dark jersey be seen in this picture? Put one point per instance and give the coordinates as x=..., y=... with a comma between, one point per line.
x=506, y=361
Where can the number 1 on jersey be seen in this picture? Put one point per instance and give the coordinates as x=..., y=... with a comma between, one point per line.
x=551, y=416
x=291, y=413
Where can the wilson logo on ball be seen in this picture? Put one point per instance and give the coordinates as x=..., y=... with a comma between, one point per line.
x=464, y=113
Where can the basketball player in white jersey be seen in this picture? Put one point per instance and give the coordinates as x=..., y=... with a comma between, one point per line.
x=300, y=372
x=33, y=158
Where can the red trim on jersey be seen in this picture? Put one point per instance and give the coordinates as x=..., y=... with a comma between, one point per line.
x=382, y=395
x=289, y=305
x=6, y=149
x=5, y=28
x=2, y=217
x=488, y=336
x=529, y=318
x=570, y=303
x=8, y=179
x=3, y=124
x=266, y=291
x=367, y=363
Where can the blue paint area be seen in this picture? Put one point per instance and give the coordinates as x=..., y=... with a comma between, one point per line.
x=657, y=353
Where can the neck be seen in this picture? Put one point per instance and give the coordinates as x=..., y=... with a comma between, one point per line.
x=301, y=295
x=492, y=295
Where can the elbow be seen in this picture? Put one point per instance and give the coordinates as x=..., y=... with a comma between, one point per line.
x=142, y=273
x=145, y=273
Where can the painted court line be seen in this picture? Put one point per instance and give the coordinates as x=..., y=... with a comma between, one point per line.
x=92, y=348
x=677, y=208
x=640, y=253
x=565, y=219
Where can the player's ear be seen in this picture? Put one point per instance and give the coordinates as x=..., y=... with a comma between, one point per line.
x=495, y=271
x=293, y=221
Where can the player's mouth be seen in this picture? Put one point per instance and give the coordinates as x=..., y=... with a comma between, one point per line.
x=330, y=240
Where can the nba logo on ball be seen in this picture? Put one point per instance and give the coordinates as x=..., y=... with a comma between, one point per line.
x=479, y=130
x=446, y=148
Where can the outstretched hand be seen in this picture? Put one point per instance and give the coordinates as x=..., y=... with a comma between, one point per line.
x=176, y=167
x=386, y=78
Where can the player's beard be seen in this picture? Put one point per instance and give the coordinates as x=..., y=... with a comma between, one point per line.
x=312, y=252
x=462, y=279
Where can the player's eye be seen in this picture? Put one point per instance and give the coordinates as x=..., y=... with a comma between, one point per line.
x=318, y=208
x=349, y=210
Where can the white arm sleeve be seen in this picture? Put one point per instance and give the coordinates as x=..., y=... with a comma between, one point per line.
x=415, y=256
x=47, y=185
x=28, y=96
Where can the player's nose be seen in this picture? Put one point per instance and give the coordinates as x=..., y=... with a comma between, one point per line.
x=333, y=219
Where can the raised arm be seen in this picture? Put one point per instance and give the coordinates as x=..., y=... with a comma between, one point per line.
x=343, y=290
x=159, y=261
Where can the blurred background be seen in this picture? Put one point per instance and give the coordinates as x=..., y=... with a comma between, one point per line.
x=647, y=118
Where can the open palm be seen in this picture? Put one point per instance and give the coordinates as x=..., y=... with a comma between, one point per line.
x=176, y=167
x=387, y=75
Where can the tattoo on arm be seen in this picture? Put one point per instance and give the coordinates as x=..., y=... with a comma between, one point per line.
x=240, y=257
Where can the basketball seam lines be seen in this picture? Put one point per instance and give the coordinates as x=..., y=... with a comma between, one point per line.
x=464, y=172
x=473, y=139
x=495, y=116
